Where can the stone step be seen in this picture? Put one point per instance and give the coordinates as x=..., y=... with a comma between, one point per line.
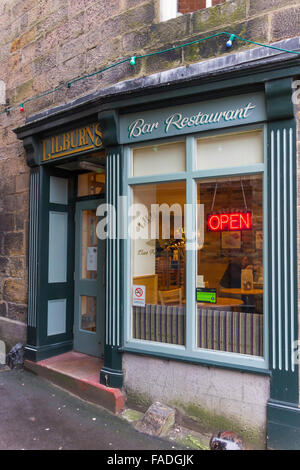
x=67, y=372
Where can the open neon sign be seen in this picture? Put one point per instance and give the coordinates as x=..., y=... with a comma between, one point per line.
x=234, y=221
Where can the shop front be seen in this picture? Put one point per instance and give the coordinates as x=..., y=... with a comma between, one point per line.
x=185, y=280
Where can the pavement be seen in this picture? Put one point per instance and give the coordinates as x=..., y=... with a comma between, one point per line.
x=36, y=415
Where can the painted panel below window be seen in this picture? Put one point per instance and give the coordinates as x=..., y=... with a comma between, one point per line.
x=57, y=312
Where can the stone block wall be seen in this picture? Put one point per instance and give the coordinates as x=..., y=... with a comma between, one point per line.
x=44, y=44
x=213, y=398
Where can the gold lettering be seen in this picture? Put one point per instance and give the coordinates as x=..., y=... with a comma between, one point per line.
x=72, y=141
x=57, y=148
x=52, y=145
x=82, y=137
x=91, y=133
x=98, y=140
x=66, y=141
x=44, y=142
x=62, y=144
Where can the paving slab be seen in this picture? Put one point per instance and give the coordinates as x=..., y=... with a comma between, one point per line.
x=36, y=415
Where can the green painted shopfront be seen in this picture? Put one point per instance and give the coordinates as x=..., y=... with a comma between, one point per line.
x=163, y=240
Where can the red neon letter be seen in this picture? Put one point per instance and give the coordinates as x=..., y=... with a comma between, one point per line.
x=246, y=221
x=224, y=221
x=213, y=226
x=235, y=222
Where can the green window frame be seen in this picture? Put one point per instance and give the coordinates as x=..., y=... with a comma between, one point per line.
x=190, y=352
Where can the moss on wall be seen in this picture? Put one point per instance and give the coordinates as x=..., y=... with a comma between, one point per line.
x=214, y=422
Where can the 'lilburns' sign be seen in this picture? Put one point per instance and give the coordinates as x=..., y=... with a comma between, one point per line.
x=193, y=117
x=72, y=142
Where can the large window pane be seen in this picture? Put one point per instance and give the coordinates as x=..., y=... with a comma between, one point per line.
x=158, y=263
x=230, y=266
x=229, y=150
x=159, y=159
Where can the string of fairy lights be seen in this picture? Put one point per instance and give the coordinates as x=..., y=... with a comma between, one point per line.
x=132, y=61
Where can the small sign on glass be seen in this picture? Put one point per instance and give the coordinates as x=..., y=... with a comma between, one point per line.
x=92, y=256
x=139, y=296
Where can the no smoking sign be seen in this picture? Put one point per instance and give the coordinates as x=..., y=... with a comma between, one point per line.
x=138, y=292
x=139, y=296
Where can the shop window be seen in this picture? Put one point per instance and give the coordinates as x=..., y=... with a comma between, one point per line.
x=230, y=266
x=230, y=150
x=172, y=8
x=158, y=263
x=196, y=270
x=91, y=184
x=159, y=159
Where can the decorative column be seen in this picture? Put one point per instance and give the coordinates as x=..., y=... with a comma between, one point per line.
x=33, y=251
x=33, y=340
x=283, y=413
x=111, y=374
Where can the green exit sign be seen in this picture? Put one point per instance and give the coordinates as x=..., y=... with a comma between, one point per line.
x=208, y=296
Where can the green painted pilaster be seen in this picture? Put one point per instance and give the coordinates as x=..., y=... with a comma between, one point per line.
x=33, y=291
x=283, y=414
x=111, y=374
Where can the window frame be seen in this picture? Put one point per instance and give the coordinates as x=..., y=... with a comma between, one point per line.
x=190, y=352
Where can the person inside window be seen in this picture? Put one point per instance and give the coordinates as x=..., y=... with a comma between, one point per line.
x=233, y=274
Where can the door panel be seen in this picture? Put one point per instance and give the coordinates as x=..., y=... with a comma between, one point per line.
x=89, y=281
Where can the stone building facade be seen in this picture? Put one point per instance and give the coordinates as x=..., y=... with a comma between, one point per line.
x=47, y=44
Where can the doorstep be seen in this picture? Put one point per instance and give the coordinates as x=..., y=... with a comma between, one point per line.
x=79, y=374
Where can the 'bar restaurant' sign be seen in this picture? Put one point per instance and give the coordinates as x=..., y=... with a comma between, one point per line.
x=193, y=117
x=72, y=142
